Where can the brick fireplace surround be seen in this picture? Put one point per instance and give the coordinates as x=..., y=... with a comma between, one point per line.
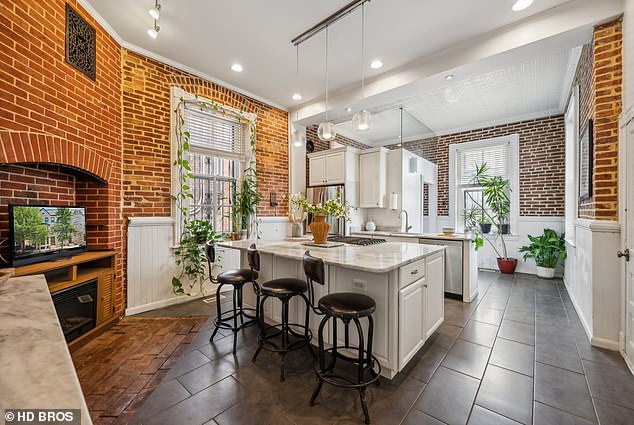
x=103, y=143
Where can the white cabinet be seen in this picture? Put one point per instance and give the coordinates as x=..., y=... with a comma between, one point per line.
x=434, y=294
x=372, y=178
x=327, y=167
x=411, y=332
x=317, y=170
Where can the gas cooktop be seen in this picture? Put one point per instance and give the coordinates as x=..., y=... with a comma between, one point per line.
x=353, y=240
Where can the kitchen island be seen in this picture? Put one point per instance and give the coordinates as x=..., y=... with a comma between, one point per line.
x=406, y=280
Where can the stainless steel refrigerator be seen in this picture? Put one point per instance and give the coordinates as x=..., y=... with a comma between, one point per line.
x=321, y=194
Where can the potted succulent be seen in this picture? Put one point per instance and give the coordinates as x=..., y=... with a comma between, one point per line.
x=547, y=250
x=496, y=207
x=320, y=227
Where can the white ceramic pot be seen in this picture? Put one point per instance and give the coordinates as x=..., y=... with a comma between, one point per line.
x=545, y=272
x=370, y=226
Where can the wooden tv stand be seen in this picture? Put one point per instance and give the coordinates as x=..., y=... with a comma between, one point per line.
x=78, y=269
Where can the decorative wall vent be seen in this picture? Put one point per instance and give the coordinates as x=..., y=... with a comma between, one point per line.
x=81, y=43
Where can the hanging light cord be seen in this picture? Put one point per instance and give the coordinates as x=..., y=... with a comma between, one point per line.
x=362, y=51
x=297, y=80
x=326, y=73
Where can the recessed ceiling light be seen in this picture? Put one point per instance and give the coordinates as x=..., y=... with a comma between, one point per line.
x=449, y=77
x=297, y=96
x=376, y=64
x=237, y=67
x=348, y=109
x=521, y=5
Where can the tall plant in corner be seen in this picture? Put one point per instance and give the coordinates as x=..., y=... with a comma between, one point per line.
x=189, y=255
x=495, y=207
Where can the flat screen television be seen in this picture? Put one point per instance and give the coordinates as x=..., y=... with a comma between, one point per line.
x=45, y=232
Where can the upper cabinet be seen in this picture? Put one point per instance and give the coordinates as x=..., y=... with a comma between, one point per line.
x=333, y=166
x=372, y=178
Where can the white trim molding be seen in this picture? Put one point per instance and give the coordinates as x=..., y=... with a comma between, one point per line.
x=85, y=4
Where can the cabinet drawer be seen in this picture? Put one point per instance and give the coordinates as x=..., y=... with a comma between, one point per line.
x=411, y=273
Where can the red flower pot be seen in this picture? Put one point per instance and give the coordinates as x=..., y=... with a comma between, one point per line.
x=507, y=265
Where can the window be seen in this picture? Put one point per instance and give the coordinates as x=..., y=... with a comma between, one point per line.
x=217, y=155
x=572, y=187
x=501, y=155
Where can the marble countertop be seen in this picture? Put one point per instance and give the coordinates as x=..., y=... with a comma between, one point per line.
x=36, y=368
x=454, y=237
x=379, y=258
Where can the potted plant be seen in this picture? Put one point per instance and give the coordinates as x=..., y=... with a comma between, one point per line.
x=246, y=201
x=547, y=250
x=235, y=221
x=190, y=256
x=496, y=207
x=319, y=227
x=485, y=224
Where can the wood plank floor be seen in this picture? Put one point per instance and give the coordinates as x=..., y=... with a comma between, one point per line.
x=120, y=368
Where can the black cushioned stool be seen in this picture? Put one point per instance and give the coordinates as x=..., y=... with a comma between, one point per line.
x=236, y=278
x=280, y=338
x=347, y=307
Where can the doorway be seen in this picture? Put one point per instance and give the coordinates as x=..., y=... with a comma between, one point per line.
x=627, y=193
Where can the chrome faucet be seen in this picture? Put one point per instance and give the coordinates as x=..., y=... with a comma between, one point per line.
x=407, y=226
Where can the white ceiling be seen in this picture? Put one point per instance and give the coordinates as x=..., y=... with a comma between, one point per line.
x=479, y=95
x=208, y=36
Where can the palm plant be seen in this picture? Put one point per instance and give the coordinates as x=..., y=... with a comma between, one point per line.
x=495, y=207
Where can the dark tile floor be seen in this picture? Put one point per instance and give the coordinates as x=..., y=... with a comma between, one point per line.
x=518, y=354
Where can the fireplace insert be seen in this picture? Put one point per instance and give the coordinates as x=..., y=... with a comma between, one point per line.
x=77, y=309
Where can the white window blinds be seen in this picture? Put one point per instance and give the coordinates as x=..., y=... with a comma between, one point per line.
x=495, y=156
x=216, y=133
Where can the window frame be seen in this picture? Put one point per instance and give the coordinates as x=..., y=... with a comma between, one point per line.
x=456, y=191
x=176, y=95
x=571, y=200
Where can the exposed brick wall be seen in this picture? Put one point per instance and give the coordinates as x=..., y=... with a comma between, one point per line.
x=320, y=145
x=541, y=157
x=599, y=76
x=39, y=184
x=146, y=134
x=41, y=96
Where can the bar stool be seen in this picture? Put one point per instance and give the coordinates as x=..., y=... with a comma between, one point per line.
x=347, y=307
x=236, y=278
x=284, y=289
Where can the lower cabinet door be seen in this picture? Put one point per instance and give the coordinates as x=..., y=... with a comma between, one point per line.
x=411, y=335
x=434, y=307
x=106, y=296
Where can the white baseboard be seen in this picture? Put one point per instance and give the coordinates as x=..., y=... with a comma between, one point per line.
x=178, y=299
x=586, y=328
x=605, y=343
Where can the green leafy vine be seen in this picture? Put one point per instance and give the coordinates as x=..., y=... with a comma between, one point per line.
x=190, y=255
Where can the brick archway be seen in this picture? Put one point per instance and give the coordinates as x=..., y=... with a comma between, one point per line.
x=22, y=147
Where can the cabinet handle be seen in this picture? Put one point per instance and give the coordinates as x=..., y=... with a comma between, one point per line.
x=425, y=285
x=415, y=271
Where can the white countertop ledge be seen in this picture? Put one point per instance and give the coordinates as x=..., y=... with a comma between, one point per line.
x=35, y=364
x=379, y=258
x=439, y=236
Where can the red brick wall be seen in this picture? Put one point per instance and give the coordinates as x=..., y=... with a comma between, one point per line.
x=542, y=152
x=146, y=135
x=599, y=76
x=44, y=98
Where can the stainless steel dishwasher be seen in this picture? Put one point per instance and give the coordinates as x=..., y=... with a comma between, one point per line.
x=453, y=265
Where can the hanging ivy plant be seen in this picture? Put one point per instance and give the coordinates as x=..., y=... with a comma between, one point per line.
x=190, y=255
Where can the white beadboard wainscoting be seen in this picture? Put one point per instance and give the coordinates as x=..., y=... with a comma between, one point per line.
x=534, y=226
x=151, y=265
x=151, y=260
x=593, y=279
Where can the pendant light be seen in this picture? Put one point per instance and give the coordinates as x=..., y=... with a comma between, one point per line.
x=327, y=130
x=362, y=120
x=298, y=138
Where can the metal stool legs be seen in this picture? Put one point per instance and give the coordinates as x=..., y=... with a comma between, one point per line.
x=229, y=319
x=364, y=360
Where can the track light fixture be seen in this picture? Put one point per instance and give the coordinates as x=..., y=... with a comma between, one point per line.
x=155, y=13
